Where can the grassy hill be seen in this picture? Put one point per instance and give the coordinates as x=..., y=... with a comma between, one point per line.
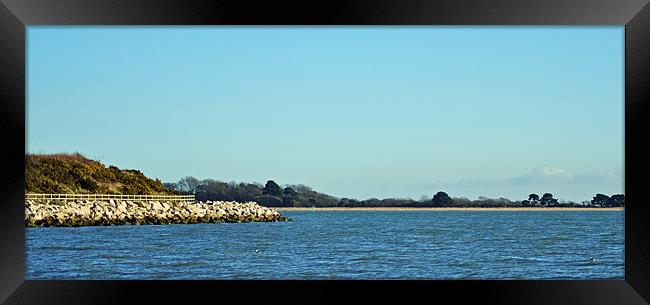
x=74, y=173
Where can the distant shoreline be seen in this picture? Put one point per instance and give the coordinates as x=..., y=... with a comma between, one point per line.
x=495, y=209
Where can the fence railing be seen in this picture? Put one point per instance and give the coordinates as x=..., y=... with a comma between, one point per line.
x=110, y=196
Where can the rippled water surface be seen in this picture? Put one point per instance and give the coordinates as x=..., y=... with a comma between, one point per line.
x=342, y=245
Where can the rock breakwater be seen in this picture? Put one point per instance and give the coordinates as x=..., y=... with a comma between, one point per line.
x=60, y=213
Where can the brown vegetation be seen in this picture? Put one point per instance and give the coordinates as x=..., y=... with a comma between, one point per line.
x=74, y=173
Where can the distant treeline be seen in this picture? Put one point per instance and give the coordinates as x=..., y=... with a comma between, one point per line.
x=273, y=195
x=75, y=173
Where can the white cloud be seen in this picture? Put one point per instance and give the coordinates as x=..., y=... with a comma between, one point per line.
x=551, y=172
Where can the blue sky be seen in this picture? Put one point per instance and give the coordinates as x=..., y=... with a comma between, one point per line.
x=355, y=112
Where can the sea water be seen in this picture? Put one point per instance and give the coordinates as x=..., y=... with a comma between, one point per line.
x=342, y=245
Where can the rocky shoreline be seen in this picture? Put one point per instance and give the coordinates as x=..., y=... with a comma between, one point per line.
x=60, y=213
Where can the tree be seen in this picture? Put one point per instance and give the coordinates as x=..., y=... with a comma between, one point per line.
x=347, y=202
x=547, y=199
x=270, y=201
x=272, y=188
x=461, y=202
x=188, y=184
x=533, y=199
x=441, y=199
x=289, y=197
x=289, y=192
x=505, y=202
x=171, y=185
x=213, y=190
x=600, y=200
x=246, y=192
x=617, y=200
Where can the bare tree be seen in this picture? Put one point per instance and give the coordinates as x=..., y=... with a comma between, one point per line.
x=188, y=184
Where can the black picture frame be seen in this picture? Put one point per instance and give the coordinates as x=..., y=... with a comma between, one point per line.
x=15, y=15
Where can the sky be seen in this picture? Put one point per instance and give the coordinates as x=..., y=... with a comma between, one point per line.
x=356, y=112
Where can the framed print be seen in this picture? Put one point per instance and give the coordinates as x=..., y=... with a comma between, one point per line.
x=382, y=148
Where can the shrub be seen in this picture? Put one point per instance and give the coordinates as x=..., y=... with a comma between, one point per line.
x=74, y=173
